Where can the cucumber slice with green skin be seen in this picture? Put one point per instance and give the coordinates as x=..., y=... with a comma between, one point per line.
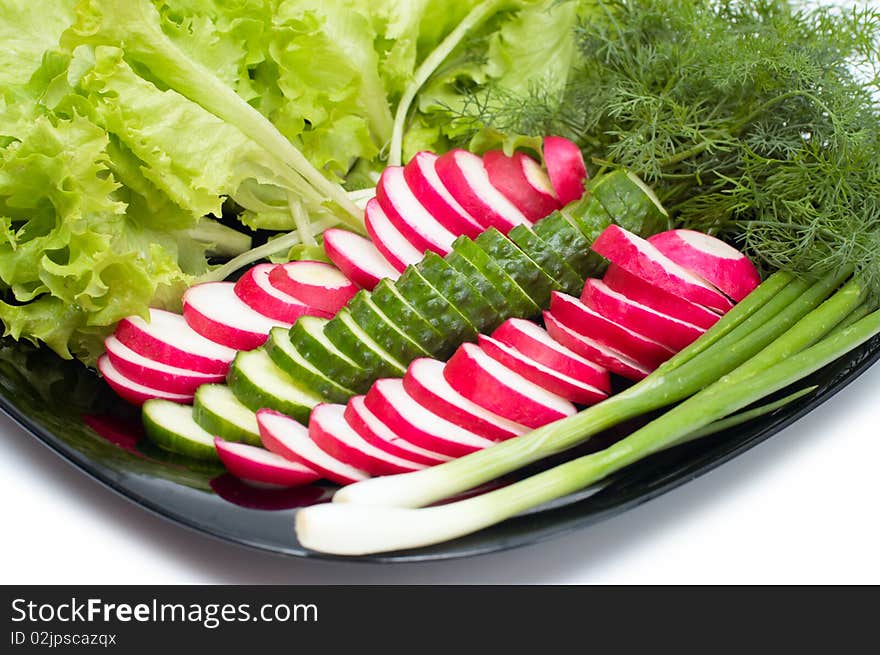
x=514, y=301
x=528, y=275
x=171, y=426
x=282, y=351
x=352, y=340
x=630, y=203
x=563, y=236
x=390, y=302
x=383, y=330
x=221, y=414
x=307, y=336
x=588, y=216
x=258, y=383
x=460, y=293
x=479, y=281
x=543, y=255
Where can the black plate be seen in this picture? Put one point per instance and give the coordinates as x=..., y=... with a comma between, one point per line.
x=73, y=412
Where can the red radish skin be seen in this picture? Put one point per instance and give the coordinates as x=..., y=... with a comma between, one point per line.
x=616, y=307
x=214, y=310
x=533, y=341
x=642, y=259
x=656, y=298
x=259, y=465
x=595, y=351
x=464, y=175
x=712, y=259
x=577, y=316
x=421, y=176
x=375, y=432
x=424, y=381
x=409, y=216
x=568, y=388
x=538, y=179
x=330, y=430
x=394, y=247
x=256, y=290
x=566, y=168
x=132, y=391
x=506, y=173
x=482, y=380
x=317, y=284
x=285, y=436
x=154, y=374
x=358, y=258
x=167, y=339
x=392, y=405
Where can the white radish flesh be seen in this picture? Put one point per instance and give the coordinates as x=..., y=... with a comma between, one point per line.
x=394, y=247
x=132, y=391
x=256, y=290
x=262, y=466
x=421, y=176
x=358, y=258
x=316, y=284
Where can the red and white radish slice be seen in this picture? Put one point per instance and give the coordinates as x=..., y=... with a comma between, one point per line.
x=392, y=405
x=591, y=349
x=486, y=382
x=566, y=387
x=166, y=338
x=132, y=391
x=375, y=432
x=566, y=168
x=585, y=320
x=642, y=259
x=316, y=284
x=286, y=437
x=464, y=175
x=618, y=308
x=635, y=288
x=262, y=466
x=533, y=341
x=256, y=290
x=424, y=381
x=394, y=247
x=330, y=430
x=214, y=310
x=409, y=216
x=539, y=180
x=421, y=176
x=507, y=174
x=156, y=375
x=358, y=258
x=710, y=258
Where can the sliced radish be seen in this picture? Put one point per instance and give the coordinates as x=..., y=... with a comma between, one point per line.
x=166, y=338
x=404, y=416
x=424, y=381
x=317, y=284
x=585, y=320
x=259, y=465
x=483, y=380
x=595, y=351
x=421, y=176
x=533, y=341
x=330, y=430
x=642, y=259
x=358, y=258
x=394, y=247
x=566, y=168
x=539, y=180
x=508, y=175
x=620, y=309
x=710, y=258
x=155, y=374
x=566, y=387
x=409, y=216
x=635, y=288
x=256, y=290
x=464, y=175
x=132, y=391
x=214, y=310
x=287, y=437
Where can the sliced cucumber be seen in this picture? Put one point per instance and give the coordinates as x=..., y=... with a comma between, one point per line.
x=587, y=215
x=563, y=236
x=351, y=339
x=283, y=352
x=307, y=336
x=543, y=255
x=258, y=383
x=460, y=293
x=383, y=330
x=219, y=412
x=171, y=426
x=390, y=302
x=630, y=203
x=528, y=275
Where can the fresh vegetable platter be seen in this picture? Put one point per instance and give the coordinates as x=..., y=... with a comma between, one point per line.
x=403, y=308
